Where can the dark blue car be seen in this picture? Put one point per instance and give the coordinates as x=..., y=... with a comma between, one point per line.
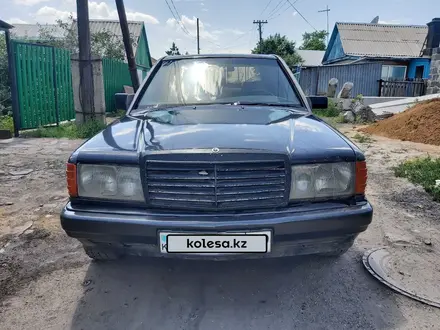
x=218, y=156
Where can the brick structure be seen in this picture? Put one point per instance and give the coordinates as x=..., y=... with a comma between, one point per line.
x=433, y=86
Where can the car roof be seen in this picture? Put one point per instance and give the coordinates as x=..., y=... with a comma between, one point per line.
x=262, y=56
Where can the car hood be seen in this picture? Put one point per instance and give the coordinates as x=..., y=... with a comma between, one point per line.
x=304, y=138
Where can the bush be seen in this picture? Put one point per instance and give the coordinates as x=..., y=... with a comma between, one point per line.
x=331, y=111
x=69, y=130
x=422, y=171
x=6, y=122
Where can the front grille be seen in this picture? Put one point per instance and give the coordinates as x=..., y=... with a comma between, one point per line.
x=216, y=186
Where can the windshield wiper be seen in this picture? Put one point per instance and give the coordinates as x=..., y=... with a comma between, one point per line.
x=271, y=104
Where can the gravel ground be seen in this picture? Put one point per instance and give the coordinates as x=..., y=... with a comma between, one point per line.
x=46, y=281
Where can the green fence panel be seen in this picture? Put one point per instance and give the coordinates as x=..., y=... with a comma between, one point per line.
x=115, y=75
x=63, y=79
x=44, y=84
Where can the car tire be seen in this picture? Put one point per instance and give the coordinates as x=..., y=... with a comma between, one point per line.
x=102, y=254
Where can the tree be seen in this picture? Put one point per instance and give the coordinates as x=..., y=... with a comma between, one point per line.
x=314, y=40
x=65, y=35
x=5, y=94
x=173, y=50
x=279, y=45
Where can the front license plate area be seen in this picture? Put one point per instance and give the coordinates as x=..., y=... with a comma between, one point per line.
x=215, y=243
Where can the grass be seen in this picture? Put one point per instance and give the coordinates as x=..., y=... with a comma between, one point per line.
x=331, y=111
x=362, y=138
x=333, y=121
x=69, y=130
x=117, y=113
x=6, y=122
x=422, y=171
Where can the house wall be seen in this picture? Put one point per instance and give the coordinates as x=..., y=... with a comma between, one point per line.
x=336, y=51
x=365, y=77
x=143, y=53
x=426, y=62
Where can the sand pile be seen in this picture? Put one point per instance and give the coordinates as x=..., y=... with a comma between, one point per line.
x=420, y=123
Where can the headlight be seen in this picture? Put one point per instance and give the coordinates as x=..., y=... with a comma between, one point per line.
x=110, y=182
x=318, y=181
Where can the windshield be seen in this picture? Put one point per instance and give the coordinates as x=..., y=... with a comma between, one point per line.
x=218, y=80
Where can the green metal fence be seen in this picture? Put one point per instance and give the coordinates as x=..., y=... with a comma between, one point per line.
x=44, y=84
x=115, y=75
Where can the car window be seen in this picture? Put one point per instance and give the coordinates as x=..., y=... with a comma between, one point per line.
x=218, y=80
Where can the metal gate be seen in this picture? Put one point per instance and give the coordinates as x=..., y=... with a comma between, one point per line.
x=44, y=84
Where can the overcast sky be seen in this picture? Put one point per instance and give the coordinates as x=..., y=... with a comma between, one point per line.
x=226, y=25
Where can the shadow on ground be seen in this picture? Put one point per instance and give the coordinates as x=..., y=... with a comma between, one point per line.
x=300, y=293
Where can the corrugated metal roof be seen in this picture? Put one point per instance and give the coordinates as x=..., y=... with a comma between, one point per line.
x=5, y=26
x=32, y=31
x=311, y=57
x=380, y=40
x=112, y=26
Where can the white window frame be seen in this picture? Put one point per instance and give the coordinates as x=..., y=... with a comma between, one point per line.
x=393, y=66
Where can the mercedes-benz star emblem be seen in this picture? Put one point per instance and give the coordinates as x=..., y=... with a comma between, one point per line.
x=215, y=150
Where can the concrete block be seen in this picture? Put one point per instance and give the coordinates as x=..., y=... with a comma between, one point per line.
x=349, y=117
x=403, y=104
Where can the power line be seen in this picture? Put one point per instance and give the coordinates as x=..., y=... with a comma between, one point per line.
x=305, y=19
x=232, y=43
x=236, y=39
x=270, y=1
x=251, y=38
x=276, y=7
x=178, y=21
x=178, y=15
x=279, y=12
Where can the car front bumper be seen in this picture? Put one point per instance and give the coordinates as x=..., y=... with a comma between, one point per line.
x=309, y=229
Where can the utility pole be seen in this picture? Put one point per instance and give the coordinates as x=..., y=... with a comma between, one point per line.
x=198, y=37
x=85, y=61
x=127, y=44
x=260, y=23
x=328, y=31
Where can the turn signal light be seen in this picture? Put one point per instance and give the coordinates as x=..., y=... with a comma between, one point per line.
x=72, y=186
x=361, y=177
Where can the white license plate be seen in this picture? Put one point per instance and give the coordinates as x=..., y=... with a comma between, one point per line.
x=217, y=243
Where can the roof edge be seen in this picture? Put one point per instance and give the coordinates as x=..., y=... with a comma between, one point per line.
x=382, y=25
x=110, y=20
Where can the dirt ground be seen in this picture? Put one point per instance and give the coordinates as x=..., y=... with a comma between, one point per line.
x=421, y=123
x=47, y=282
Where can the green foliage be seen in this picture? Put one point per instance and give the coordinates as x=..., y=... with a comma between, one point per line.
x=6, y=122
x=173, y=50
x=70, y=131
x=362, y=138
x=358, y=98
x=5, y=94
x=103, y=44
x=331, y=111
x=117, y=114
x=314, y=40
x=333, y=121
x=422, y=171
x=281, y=46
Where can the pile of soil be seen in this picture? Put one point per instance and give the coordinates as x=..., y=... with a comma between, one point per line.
x=420, y=123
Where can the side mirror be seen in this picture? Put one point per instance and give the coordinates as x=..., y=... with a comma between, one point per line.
x=318, y=102
x=123, y=101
